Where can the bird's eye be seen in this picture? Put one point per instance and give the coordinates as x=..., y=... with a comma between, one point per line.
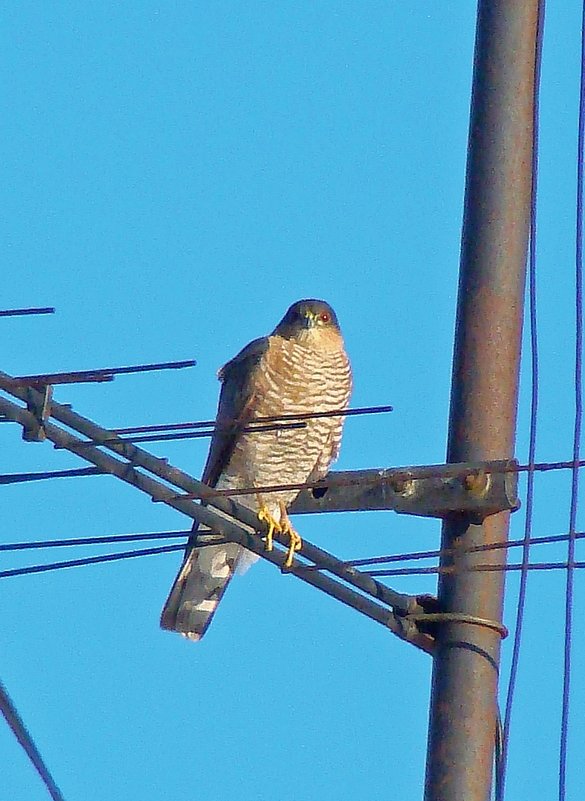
x=324, y=317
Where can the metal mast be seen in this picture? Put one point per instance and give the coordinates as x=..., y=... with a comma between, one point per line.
x=484, y=391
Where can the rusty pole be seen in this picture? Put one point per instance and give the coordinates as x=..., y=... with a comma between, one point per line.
x=484, y=390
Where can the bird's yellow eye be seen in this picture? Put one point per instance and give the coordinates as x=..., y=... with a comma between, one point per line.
x=324, y=317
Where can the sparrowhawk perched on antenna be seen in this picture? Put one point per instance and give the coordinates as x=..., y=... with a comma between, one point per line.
x=301, y=368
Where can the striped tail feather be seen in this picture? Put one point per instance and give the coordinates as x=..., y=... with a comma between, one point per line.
x=198, y=589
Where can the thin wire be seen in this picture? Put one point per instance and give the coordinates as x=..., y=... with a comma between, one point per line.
x=24, y=738
x=216, y=539
x=176, y=435
x=499, y=764
x=21, y=478
x=534, y=376
x=23, y=312
x=90, y=560
x=435, y=554
x=487, y=568
x=163, y=535
x=571, y=564
x=102, y=374
x=103, y=540
x=279, y=423
x=270, y=419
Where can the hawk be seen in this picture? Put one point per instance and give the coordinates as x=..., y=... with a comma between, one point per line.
x=300, y=368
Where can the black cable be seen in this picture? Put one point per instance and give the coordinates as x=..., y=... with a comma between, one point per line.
x=571, y=564
x=534, y=377
x=483, y=568
x=90, y=560
x=217, y=540
x=102, y=540
x=435, y=554
x=22, y=478
x=28, y=744
x=499, y=758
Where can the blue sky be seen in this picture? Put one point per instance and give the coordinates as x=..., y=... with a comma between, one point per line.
x=174, y=175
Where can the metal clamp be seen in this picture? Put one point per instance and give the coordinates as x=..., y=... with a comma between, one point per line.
x=40, y=408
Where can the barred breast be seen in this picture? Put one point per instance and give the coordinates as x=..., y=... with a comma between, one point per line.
x=294, y=377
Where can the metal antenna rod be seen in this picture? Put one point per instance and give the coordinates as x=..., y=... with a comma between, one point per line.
x=484, y=391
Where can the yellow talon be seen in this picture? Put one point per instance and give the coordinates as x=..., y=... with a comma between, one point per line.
x=264, y=516
x=296, y=542
x=283, y=527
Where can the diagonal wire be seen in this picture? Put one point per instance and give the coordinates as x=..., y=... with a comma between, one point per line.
x=89, y=560
x=435, y=554
x=177, y=435
x=26, y=741
x=102, y=540
x=21, y=478
x=275, y=418
x=480, y=568
x=233, y=521
x=111, y=539
x=176, y=431
x=534, y=375
x=577, y=429
x=218, y=540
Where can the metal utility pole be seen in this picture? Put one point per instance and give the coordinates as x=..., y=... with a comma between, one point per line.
x=484, y=392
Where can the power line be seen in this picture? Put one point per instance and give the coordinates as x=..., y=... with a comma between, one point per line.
x=214, y=539
x=480, y=568
x=217, y=540
x=28, y=744
x=21, y=478
x=28, y=311
x=102, y=540
x=534, y=392
x=406, y=604
x=578, y=388
x=435, y=554
x=89, y=560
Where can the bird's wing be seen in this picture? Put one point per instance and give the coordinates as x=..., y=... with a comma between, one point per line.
x=206, y=572
x=236, y=406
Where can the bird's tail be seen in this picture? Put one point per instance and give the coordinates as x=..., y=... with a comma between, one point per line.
x=198, y=589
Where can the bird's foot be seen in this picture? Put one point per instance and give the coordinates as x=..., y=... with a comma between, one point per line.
x=264, y=516
x=281, y=526
x=295, y=543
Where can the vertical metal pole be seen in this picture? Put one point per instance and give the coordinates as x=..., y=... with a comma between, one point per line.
x=484, y=391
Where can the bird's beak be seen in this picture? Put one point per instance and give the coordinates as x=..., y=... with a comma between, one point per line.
x=309, y=320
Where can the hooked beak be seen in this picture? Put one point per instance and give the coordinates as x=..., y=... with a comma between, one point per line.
x=309, y=320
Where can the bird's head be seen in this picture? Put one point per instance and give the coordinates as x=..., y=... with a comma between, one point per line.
x=308, y=319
